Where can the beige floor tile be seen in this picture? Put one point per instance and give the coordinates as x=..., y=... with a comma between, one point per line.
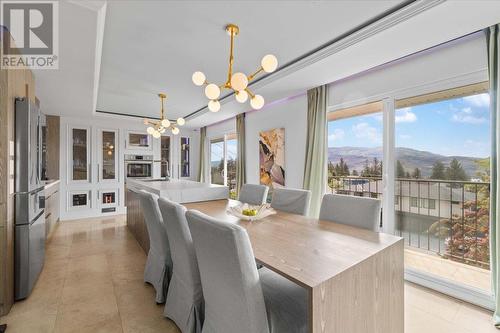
x=431, y=302
x=34, y=321
x=92, y=281
x=474, y=319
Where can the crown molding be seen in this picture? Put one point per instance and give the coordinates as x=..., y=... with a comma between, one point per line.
x=357, y=35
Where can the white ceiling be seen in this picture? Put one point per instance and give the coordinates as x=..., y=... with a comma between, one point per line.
x=69, y=90
x=153, y=46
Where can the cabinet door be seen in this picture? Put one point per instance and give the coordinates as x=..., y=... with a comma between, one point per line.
x=185, y=164
x=80, y=164
x=165, y=156
x=107, y=166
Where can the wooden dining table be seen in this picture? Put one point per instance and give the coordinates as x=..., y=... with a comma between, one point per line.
x=354, y=277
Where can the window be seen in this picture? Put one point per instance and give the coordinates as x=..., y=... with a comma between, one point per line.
x=217, y=162
x=223, y=153
x=428, y=203
x=355, y=151
x=414, y=202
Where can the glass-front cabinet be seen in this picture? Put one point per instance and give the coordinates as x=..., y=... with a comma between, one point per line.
x=165, y=156
x=185, y=157
x=80, y=154
x=108, y=161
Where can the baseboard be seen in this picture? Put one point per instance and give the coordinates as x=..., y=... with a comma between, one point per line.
x=468, y=294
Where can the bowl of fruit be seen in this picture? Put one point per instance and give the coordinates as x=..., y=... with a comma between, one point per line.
x=251, y=213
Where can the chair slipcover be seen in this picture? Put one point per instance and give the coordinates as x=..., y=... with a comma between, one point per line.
x=185, y=297
x=235, y=300
x=291, y=200
x=159, y=263
x=253, y=194
x=358, y=212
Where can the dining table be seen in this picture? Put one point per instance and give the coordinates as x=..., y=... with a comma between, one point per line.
x=354, y=277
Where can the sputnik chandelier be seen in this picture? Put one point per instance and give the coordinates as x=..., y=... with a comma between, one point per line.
x=238, y=82
x=157, y=128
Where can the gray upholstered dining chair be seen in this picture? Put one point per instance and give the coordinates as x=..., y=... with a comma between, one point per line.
x=238, y=298
x=159, y=263
x=358, y=212
x=291, y=200
x=253, y=194
x=185, y=297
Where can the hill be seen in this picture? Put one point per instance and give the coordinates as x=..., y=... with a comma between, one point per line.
x=356, y=157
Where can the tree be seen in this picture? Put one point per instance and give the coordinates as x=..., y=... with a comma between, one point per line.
x=455, y=171
x=438, y=171
x=400, y=170
x=366, y=170
x=331, y=169
x=377, y=167
x=416, y=173
x=355, y=172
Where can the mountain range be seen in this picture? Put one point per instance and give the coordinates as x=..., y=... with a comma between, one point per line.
x=356, y=157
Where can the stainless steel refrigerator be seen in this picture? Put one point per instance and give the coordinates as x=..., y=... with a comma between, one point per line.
x=29, y=254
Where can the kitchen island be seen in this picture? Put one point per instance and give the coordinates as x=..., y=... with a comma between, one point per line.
x=180, y=191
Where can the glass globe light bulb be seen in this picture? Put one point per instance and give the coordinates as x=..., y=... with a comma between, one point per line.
x=180, y=121
x=241, y=96
x=257, y=102
x=239, y=81
x=269, y=63
x=175, y=131
x=214, y=105
x=156, y=134
x=162, y=130
x=198, y=78
x=212, y=91
x=150, y=130
x=165, y=123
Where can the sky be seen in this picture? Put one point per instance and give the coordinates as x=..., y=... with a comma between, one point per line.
x=217, y=150
x=455, y=127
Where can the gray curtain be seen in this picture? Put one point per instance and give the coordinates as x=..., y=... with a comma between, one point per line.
x=202, y=170
x=494, y=76
x=315, y=162
x=241, y=177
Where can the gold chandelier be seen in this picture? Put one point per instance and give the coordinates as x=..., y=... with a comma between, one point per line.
x=238, y=82
x=157, y=128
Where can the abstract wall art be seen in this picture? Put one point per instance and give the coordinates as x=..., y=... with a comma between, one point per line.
x=272, y=157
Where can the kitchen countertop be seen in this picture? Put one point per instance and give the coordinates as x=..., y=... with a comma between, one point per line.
x=181, y=191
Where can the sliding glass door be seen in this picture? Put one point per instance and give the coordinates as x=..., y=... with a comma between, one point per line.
x=223, y=152
x=428, y=159
x=442, y=187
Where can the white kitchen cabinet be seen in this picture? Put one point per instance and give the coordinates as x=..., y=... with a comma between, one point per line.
x=107, y=159
x=79, y=168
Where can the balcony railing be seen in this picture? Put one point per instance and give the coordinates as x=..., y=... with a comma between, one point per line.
x=449, y=218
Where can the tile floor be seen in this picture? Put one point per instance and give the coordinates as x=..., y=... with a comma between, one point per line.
x=448, y=269
x=92, y=282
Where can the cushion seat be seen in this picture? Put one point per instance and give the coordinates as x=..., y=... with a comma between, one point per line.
x=286, y=303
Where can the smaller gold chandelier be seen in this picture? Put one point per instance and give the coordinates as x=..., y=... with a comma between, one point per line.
x=238, y=82
x=159, y=127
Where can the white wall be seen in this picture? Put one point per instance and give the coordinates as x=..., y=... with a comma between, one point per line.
x=290, y=114
x=218, y=130
x=122, y=126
